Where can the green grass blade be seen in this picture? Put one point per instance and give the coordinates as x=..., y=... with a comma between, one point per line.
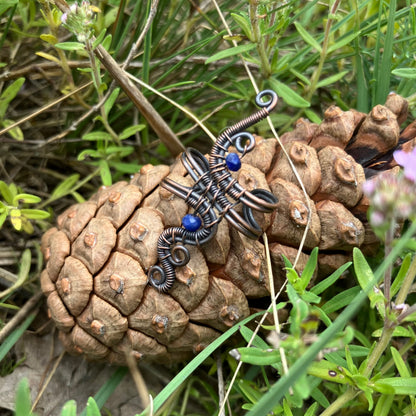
x=15, y=335
x=383, y=78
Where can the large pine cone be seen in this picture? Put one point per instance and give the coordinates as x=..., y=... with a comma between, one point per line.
x=98, y=255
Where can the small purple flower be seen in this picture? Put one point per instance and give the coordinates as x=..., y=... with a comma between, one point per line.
x=408, y=161
x=377, y=218
x=369, y=187
x=64, y=18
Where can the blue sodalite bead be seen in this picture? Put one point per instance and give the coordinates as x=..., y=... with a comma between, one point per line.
x=191, y=222
x=233, y=162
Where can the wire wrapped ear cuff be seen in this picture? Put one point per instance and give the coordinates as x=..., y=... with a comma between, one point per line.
x=209, y=196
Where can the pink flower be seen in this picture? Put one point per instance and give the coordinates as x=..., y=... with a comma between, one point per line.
x=369, y=187
x=408, y=161
x=377, y=218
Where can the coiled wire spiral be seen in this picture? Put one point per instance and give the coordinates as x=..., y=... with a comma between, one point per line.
x=213, y=182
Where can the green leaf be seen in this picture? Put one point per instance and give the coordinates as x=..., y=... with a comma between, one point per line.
x=368, y=393
x=363, y=271
x=258, y=342
x=3, y=217
x=99, y=38
x=292, y=276
x=35, y=214
x=69, y=408
x=15, y=132
x=383, y=405
x=340, y=300
x=70, y=46
x=383, y=388
x=89, y=153
x=250, y=393
x=23, y=401
x=409, y=73
x=231, y=52
x=97, y=135
x=243, y=21
x=330, y=280
x=130, y=131
x=49, y=38
x=332, y=79
x=24, y=268
x=326, y=370
x=78, y=197
x=121, y=151
x=365, y=276
x=6, y=4
x=398, y=280
x=9, y=94
x=401, y=385
x=286, y=408
x=108, y=105
x=312, y=116
x=92, y=408
x=25, y=198
x=312, y=409
x=289, y=96
x=130, y=168
x=107, y=42
x=65, y=186
x=16, y=219
x=307, y=37
x=310, y=297
x=350, y=363
x=400, y=364
x=6, y=192
x=309, y=270
x=105, y=173
x=343, y=42
x=257, y=356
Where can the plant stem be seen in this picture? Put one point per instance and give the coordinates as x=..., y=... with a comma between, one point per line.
x=258, y=38
x=379, y=349
x=387, y=274
x=63, y=62
x=318, y=71
x=340, y=402
x=97, y=82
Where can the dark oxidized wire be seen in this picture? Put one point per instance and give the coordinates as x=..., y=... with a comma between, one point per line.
x=208, y=197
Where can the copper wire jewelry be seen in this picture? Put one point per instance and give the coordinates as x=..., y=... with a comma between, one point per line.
x=209, y=196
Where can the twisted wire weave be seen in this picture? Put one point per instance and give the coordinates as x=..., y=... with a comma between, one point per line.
x=209, y=197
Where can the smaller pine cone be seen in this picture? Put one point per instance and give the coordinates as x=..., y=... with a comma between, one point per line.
x=98, y=255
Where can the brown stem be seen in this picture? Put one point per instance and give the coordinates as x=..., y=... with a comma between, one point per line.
x=20, y=316
x=166, y=135
x=387, y=274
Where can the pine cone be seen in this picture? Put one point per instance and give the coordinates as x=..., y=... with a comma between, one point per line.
x=99, y=254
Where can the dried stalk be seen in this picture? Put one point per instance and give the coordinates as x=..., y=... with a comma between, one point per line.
x=20, y=316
